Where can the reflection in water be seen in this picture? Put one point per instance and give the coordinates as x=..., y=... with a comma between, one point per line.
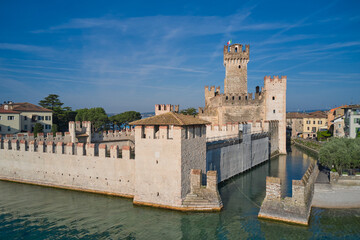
x=34, y=212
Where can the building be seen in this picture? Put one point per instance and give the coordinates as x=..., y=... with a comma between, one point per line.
x=22, y=117
x=339, y=125
x=237, y=105
x=334, y=113
x=314, y=122
x=295, y=123
x=306, y=125
x=352, y=121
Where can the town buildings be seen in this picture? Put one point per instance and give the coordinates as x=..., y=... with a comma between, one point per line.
x=306, y=125
x=22, y=117
x=334, y=114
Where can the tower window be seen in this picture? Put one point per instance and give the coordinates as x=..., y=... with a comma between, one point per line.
x=233, y=98
x=273, y=97
x=236, y=49
x=227, y=97
x=239, y=66
x=239, y=98
x=274, y=111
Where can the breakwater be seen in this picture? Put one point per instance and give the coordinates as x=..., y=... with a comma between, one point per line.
x=295, y=209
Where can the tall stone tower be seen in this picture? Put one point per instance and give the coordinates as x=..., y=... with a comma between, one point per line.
x=235, y=62
x=275, y=105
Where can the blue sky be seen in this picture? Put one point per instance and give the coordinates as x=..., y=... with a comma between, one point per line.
x=131, y=55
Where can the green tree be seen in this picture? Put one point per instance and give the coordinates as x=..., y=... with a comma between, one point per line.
x=97, y=117
x=51, y=102
x=125, y=118
x=38, y=128
x=61, y=115
x=54, y=129
x=189, y=111
x=340, y=153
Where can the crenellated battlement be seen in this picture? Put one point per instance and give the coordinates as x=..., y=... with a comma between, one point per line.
x=274, y=79
x=164, y=108
x=61, y=148
x=224, y=131
x=236, y=52
x=113, y=135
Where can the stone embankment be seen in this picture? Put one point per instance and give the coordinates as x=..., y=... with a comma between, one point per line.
x=295, y=209
x=339, y=192
x=310, y=145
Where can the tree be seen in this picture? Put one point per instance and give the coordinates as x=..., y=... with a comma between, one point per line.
x=38, y=128
x=61, y=115
x=54, y=129
x=340, y=154
x=97, y=117
x=51, y=102
x=125, y=118
x=189, y=111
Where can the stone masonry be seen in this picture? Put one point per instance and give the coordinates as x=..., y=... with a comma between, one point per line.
x=295, y=209
x=237, y=105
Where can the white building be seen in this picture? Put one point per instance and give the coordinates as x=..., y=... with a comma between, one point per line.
x=22, y=117
x=352, y=121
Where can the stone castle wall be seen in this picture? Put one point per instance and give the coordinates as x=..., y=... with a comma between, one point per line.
x=110, y=137
x=231, y=107
x=295, y=209
x=230, y=158
x=81, y=167
x=216, y=132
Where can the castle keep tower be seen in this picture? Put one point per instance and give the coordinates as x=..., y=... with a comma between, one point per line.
x=235, y=62
x=266, y=104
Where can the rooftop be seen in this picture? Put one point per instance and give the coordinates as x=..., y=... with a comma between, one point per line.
x=24, y=107
x=171, y=118
x=352, y=107
x=8, y=111
x=317, y=114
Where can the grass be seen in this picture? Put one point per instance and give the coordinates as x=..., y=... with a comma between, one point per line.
x=313, y=145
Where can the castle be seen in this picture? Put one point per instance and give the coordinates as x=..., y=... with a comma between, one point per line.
x=169, y=160
x=237, y=105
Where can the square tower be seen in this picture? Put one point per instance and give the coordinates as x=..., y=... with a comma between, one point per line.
x=275, y=105
x=235, y=63
x=167, y=147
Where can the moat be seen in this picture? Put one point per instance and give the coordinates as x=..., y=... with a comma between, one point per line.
x=33, y=212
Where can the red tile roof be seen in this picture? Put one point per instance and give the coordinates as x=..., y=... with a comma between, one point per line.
x=26, y=107
x=8, y=111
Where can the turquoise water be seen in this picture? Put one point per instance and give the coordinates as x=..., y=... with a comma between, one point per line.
x=32, y=212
